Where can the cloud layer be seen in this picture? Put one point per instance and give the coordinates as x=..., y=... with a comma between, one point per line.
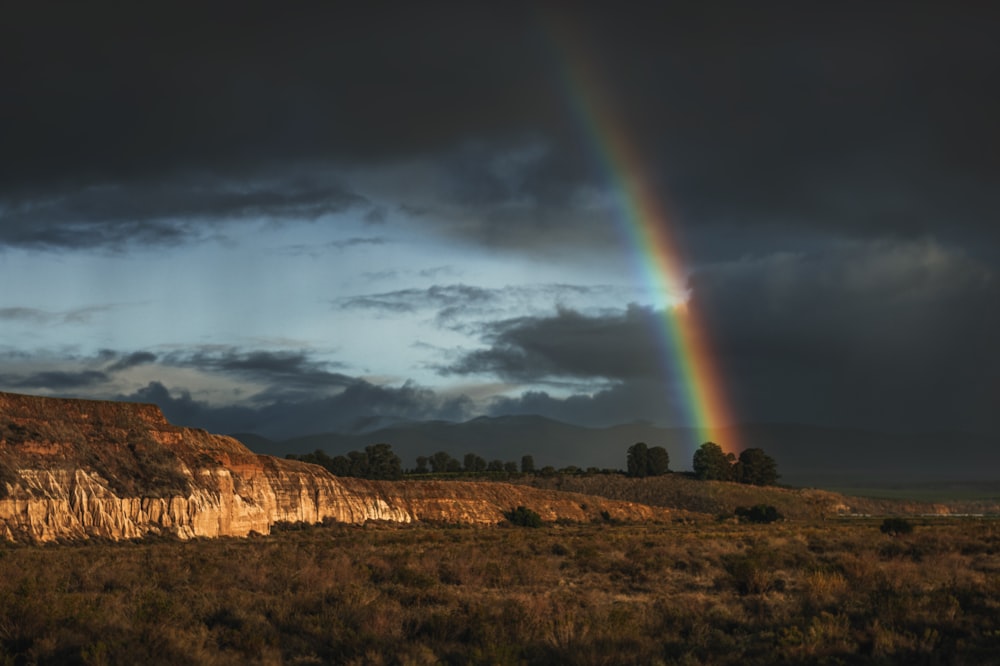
x=287, y=199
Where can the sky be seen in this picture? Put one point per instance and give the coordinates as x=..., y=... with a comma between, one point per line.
x=295, y=219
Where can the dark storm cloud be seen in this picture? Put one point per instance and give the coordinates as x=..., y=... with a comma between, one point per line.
x=569, y=344
x=89, y=372
x=281, y=371
x=279, y=418
x=853, y=118
x=164, y=213
x=131, y=360
x=640, y=400
x=297, y=394
x=899, y=335
x=145, y=91
x=54, y=380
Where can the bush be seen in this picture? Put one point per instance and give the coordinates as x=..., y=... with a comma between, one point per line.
x=524, y=517
x=896, y=526
x=759, y=513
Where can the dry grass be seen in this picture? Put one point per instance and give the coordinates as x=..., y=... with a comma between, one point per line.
x=833, y=592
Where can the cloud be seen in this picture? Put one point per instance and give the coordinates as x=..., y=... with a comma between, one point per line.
x=228, y=389
x=30, y=315
x=131, y=360
x=894, y=334
x=457, y=304
x=63, y=371
x=54, y=380
x=441, y=297
x=358, y=404
x=570, y=344
x=316, y=250
x=167, y=212
x=281, y=373
x=35, y=316
x=646, y=400
x=779, y=118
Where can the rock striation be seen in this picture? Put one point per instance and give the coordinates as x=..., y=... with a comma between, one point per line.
x=72, y=469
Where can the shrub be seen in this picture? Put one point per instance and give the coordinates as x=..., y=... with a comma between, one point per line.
x=759, y=513
x=896, y=526
x=524, y=517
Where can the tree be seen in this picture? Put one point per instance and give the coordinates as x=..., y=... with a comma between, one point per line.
x=522, y=516
x=382, y=463
x=376, y=462
x=340, y=466
x=896, y=526
x=495, y=466
x=357, y=464
x=757, y=468
x=647, y=461
x=637, y=459
x=422, y=465
x=758, y=513
x=442, y=462
x=657, y=461
x=527, y=464
x=474, y=463
x=711, y=463
x=510, y=467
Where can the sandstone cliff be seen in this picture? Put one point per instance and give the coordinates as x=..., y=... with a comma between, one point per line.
x=79, y=468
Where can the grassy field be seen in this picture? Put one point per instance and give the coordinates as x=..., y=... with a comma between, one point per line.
x=833, y=592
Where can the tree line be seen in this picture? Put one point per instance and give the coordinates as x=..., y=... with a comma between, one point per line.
x=710, y=462
x=379, y=461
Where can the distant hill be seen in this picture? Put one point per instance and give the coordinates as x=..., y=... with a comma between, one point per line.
x=806, y=454
x=679, y=491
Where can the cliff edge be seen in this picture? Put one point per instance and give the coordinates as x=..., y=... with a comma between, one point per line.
x=73, y=469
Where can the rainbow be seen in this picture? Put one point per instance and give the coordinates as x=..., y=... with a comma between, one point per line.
x=686, y=353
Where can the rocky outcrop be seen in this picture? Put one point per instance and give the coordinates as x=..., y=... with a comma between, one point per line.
x=79, y=468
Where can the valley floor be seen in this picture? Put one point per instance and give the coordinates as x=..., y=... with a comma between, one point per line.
x=836, y=591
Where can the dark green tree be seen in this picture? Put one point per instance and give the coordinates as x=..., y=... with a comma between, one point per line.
x=758, y=513
x=657, y=461
x=528, y=464
x=422, y=462
x=711, y=463
x=757, y=468
x=637, y=460
x=474, y=463
x=441, y=462
x=510, y=467
x=357, y=464
x=522, y=516
x=376, y=462
x=382, y=463
x=340, y=466
x=896, y=526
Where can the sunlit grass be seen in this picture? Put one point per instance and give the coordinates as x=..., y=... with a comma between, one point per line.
x=836, y=591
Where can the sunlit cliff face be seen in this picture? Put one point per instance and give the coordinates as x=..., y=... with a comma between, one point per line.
x=74, y=469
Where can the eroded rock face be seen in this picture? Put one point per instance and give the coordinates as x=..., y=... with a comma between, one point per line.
x=80, y=468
